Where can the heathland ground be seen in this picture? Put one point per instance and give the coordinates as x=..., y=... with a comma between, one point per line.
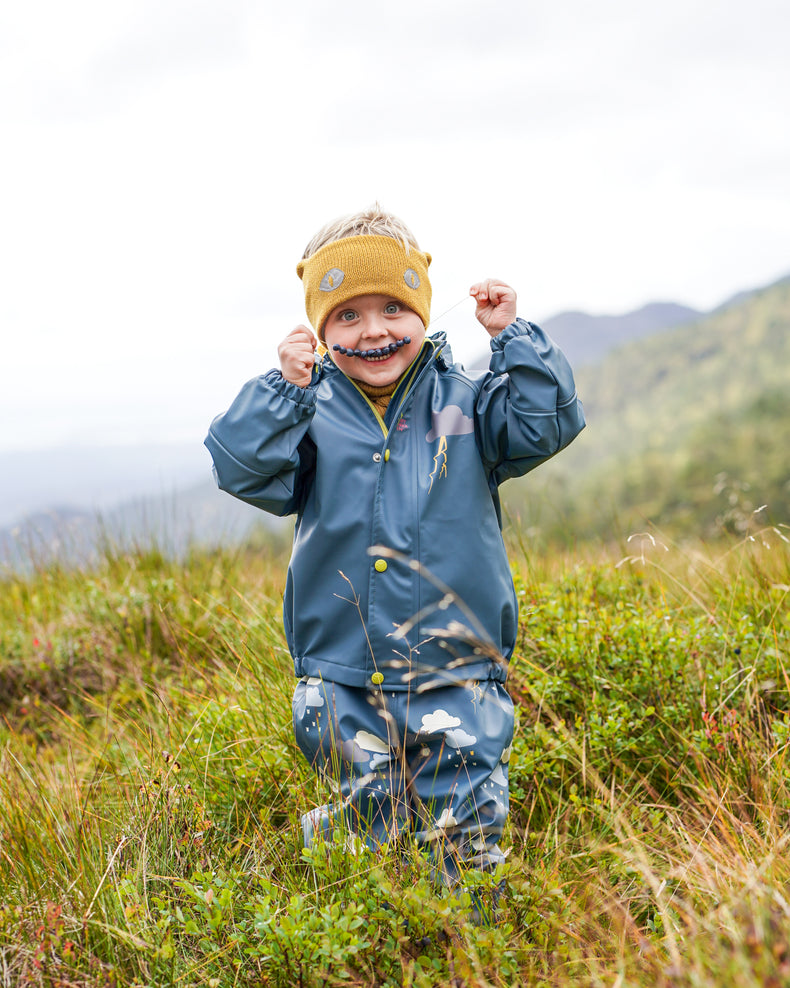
x=150, y=788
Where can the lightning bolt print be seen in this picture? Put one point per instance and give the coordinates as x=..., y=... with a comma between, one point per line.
x=477, y=693
x=439, y=462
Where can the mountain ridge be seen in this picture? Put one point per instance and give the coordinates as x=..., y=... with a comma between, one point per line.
x=587, y=338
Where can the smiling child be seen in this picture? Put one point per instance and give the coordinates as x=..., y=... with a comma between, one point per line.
x=399, y=610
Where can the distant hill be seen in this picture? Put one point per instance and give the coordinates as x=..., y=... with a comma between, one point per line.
x=200, y=515
x=587, y=339
x=90, y=478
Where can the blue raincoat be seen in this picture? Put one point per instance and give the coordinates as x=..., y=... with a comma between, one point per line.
x=399, y=576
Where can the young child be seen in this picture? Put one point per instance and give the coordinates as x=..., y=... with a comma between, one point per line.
x=399, y=609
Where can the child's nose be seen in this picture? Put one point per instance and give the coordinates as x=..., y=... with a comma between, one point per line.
x=374, y=326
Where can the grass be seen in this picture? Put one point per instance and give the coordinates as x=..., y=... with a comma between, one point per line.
x=150, y=787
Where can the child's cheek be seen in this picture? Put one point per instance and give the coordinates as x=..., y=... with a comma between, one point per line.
x=417, y=340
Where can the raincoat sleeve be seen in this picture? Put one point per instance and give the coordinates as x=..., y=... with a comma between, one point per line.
x=527, y=409
x=261, y=448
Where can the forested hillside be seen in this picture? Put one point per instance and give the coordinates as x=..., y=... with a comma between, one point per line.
x=688, y=430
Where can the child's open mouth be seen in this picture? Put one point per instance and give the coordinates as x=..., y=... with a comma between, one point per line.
x=375, y=354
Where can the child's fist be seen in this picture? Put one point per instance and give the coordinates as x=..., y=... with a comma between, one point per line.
x=296, y=356
x=496, y=304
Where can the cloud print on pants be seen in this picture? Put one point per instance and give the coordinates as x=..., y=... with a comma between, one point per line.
x=359, y=748
x=312, y=697
x=370, y=742
x=458, y=738
x=449, y=421
x=438, y=721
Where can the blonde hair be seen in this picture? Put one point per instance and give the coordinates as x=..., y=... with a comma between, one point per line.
x=373, y=221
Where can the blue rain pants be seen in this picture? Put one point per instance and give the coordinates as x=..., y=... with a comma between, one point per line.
x=433, y=765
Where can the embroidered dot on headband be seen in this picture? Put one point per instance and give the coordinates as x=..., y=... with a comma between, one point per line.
x=332, y=279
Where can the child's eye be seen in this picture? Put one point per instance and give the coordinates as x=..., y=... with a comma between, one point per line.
x=392, y=308
x=347, y=315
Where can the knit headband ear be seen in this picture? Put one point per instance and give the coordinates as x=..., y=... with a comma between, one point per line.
x=364, y=265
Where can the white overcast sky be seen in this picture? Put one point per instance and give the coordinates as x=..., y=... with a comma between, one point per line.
x=164, y=163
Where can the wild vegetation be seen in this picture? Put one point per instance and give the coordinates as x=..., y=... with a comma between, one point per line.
x=150, y=788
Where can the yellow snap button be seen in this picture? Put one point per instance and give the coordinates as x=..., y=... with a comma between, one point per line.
x=377, y=678
x=380, y=565
x=386, y=455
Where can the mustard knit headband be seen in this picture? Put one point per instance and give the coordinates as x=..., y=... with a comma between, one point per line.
x=365, y=265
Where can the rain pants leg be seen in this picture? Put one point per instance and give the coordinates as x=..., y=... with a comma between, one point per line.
x=432, y=764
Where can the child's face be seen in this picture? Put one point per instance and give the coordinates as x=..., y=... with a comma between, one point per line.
x=373, y=322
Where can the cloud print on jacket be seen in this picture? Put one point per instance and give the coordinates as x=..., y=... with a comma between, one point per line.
x=450, y=421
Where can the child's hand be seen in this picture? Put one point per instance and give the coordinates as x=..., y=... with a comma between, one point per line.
x=296, y=356
x=496, y=305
